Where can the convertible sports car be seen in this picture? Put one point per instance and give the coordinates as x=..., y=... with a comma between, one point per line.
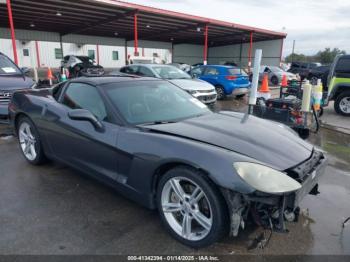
x=207, y=173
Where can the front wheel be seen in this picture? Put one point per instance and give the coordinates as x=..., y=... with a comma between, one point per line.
x=29, y=142
x=191, y=208
x=342, y=104
x=220, y=92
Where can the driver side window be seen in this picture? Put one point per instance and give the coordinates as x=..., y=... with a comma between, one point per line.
x=84, y=96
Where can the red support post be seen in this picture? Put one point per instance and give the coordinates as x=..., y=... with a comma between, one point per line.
x=13, y=36
x=98, y=54
x=136, y=41
x=37, y=54
x=205, y=45
x=250, y=51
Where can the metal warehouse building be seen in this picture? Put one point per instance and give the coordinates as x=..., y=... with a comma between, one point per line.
x=41, y=32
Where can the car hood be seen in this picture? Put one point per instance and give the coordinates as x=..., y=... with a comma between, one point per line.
x=268, y=142
x=192, y=84
x=15, y=82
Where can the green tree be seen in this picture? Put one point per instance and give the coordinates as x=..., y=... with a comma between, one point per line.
x=296, y=58
x=327, y=55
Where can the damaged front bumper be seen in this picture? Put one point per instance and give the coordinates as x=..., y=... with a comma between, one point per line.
x=270, y=211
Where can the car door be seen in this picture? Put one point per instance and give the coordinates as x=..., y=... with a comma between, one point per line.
x=78, y=143
x=211, y=75
x=197, y=72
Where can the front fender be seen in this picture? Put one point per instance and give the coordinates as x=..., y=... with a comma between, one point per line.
x=151, y=150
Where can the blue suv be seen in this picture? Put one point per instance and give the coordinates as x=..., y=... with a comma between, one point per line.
x=228, y=80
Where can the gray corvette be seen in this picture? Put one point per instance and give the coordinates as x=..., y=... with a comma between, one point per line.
x=206, y=173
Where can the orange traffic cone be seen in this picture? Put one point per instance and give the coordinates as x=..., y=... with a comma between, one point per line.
x=284, y=81
x=265, y=85
x=49, y=76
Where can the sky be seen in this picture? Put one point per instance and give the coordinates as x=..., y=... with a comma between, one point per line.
x=313, y=24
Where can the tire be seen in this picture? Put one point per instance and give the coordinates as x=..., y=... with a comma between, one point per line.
x=342, y=103
x=211, y=209
x=221, y=92
x=29, y=140
x=274, y=80
x=240, y=96
x=313, y=80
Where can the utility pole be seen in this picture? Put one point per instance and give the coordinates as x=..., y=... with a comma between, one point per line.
x=293, y=51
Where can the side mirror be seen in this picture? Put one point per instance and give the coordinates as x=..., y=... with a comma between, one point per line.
x=85, y=115
x=25, y=70
x=194, y=75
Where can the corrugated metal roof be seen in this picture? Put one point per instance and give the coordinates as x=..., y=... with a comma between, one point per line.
x=111, y=17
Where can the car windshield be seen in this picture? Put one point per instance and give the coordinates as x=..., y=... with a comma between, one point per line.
x=237, y=71
x=170, y=72
x=153, y=102
x=7, y=67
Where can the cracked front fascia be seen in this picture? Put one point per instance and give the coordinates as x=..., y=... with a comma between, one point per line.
x=236, y=204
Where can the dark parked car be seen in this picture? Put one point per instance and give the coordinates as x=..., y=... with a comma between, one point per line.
x=12, y=79
x=81, y=66
x=320, y=72
x=339, y=84
x=303, y=69
x=205, y=172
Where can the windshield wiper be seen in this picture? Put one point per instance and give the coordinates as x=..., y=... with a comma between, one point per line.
x=157, y=123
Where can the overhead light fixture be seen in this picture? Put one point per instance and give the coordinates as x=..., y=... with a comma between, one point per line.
x=59, y=13
x=116, y=33
x=32, y=25
x=198, y=29
x=172, y=39
x=148, y=26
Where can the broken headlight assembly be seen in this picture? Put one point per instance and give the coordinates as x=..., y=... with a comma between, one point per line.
x=266, y=179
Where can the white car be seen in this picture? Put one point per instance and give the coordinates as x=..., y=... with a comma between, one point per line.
x=199, y=89
x=275, y=74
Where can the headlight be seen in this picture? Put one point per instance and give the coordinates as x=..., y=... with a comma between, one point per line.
x=192, y=92
x=266, y=179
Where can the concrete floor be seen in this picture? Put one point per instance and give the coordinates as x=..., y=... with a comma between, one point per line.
x=331, y=119
x=53, y=209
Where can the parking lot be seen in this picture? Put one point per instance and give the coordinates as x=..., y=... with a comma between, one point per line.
x=53, y=209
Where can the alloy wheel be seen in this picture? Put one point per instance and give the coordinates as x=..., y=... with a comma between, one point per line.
x=186, y=208
x=27, y=141
x=220, y=93
x=344, y=105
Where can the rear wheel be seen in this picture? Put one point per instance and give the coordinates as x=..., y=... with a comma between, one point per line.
x=29, y=142
x=274, y=80
x=342, y=103
x=221, y=92
x=191, y=208
x=240, y=96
